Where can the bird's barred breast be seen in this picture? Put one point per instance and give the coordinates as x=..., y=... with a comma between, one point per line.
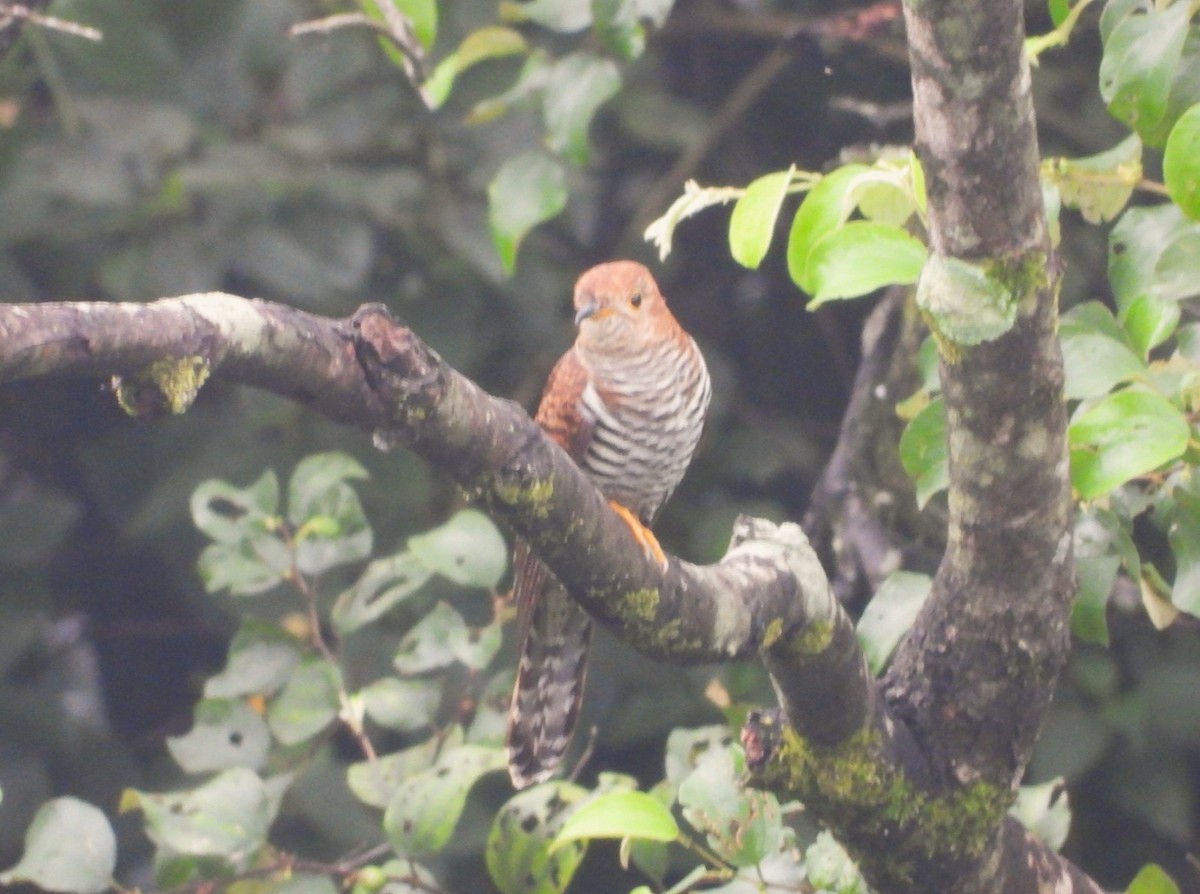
x=647, y=413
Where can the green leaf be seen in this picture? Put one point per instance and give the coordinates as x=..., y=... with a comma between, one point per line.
x=1150, y=321
x=826, y=207
x=582, y=83
x=468, y=549
x=492, y=42
x=375, y=782
x=261, y=658
x=742, y=825
x=1122, y=436
x=889, y=614
x=1141, y=56
x=530, y=83
x=383, y=585
x=69, y=847
x=1181, y=162
x=1151, y=879
x=432, y=643
x=307, y=704
x=331, y=527
x=863, y=256
x=1045, y=810
x=887, y=193
x=441, y=638
x=621, y=813
x=529, y=188
x=425, y=808
x=1136, y=247
x=1096, y=356
x=518, y=853
x=224, y=734
x=923, y=451
x=1058, y=11
x=317, y=484
x=245, y=568
x=1099, y=185
x=247, y=556
x=618, y=27
x=229, y=514
x=480, y=646
x=422, y=15
x=686, y=748
x=228, y=816
x=1184, y=536
x=567, y=16
x=488, y=726
x=402, y=705
x=1175, y=270
x=1099, y=541
x=754, y=216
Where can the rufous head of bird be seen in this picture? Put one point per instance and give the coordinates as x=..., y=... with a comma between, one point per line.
x=619, y=308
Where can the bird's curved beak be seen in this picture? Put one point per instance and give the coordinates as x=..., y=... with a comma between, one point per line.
x=590, y=309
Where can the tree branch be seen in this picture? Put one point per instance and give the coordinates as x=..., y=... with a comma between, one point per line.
x=855, y=767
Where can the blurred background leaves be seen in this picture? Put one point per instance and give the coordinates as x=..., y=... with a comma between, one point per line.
x=199, y=147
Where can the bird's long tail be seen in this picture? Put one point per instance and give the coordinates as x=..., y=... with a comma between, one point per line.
x=550, y=676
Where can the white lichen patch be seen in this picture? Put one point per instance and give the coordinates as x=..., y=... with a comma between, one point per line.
x=964, y=303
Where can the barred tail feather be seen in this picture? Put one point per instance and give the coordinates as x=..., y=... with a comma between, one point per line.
x=549, y=688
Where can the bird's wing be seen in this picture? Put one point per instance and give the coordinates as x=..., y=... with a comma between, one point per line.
x=554, y=631
x=561, y=415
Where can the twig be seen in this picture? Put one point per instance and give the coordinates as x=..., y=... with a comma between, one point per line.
x=11, y=12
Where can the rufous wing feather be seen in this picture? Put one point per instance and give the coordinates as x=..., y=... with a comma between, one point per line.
x=554, y=631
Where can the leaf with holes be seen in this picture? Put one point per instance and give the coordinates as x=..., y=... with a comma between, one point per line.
x=228, y=816
x=224, y=734
x=229, y=514
x=433, y=642
x=468, y=549
x=425, y=808
x=518, y=854
x=384, y=584
x=375, y=782
x=742, y=825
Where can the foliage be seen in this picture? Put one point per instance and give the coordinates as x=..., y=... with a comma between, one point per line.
x=1132, y=378
x=200, y=150
x=269, y=717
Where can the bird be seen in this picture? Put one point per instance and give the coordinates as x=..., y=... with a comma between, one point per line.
x=627, y=402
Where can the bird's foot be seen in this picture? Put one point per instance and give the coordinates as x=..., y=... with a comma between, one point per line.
x=641, y=534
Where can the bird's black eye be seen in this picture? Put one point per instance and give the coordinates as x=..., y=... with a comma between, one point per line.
x=636, y=299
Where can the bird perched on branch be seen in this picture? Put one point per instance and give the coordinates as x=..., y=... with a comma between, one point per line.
x=627, y=403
